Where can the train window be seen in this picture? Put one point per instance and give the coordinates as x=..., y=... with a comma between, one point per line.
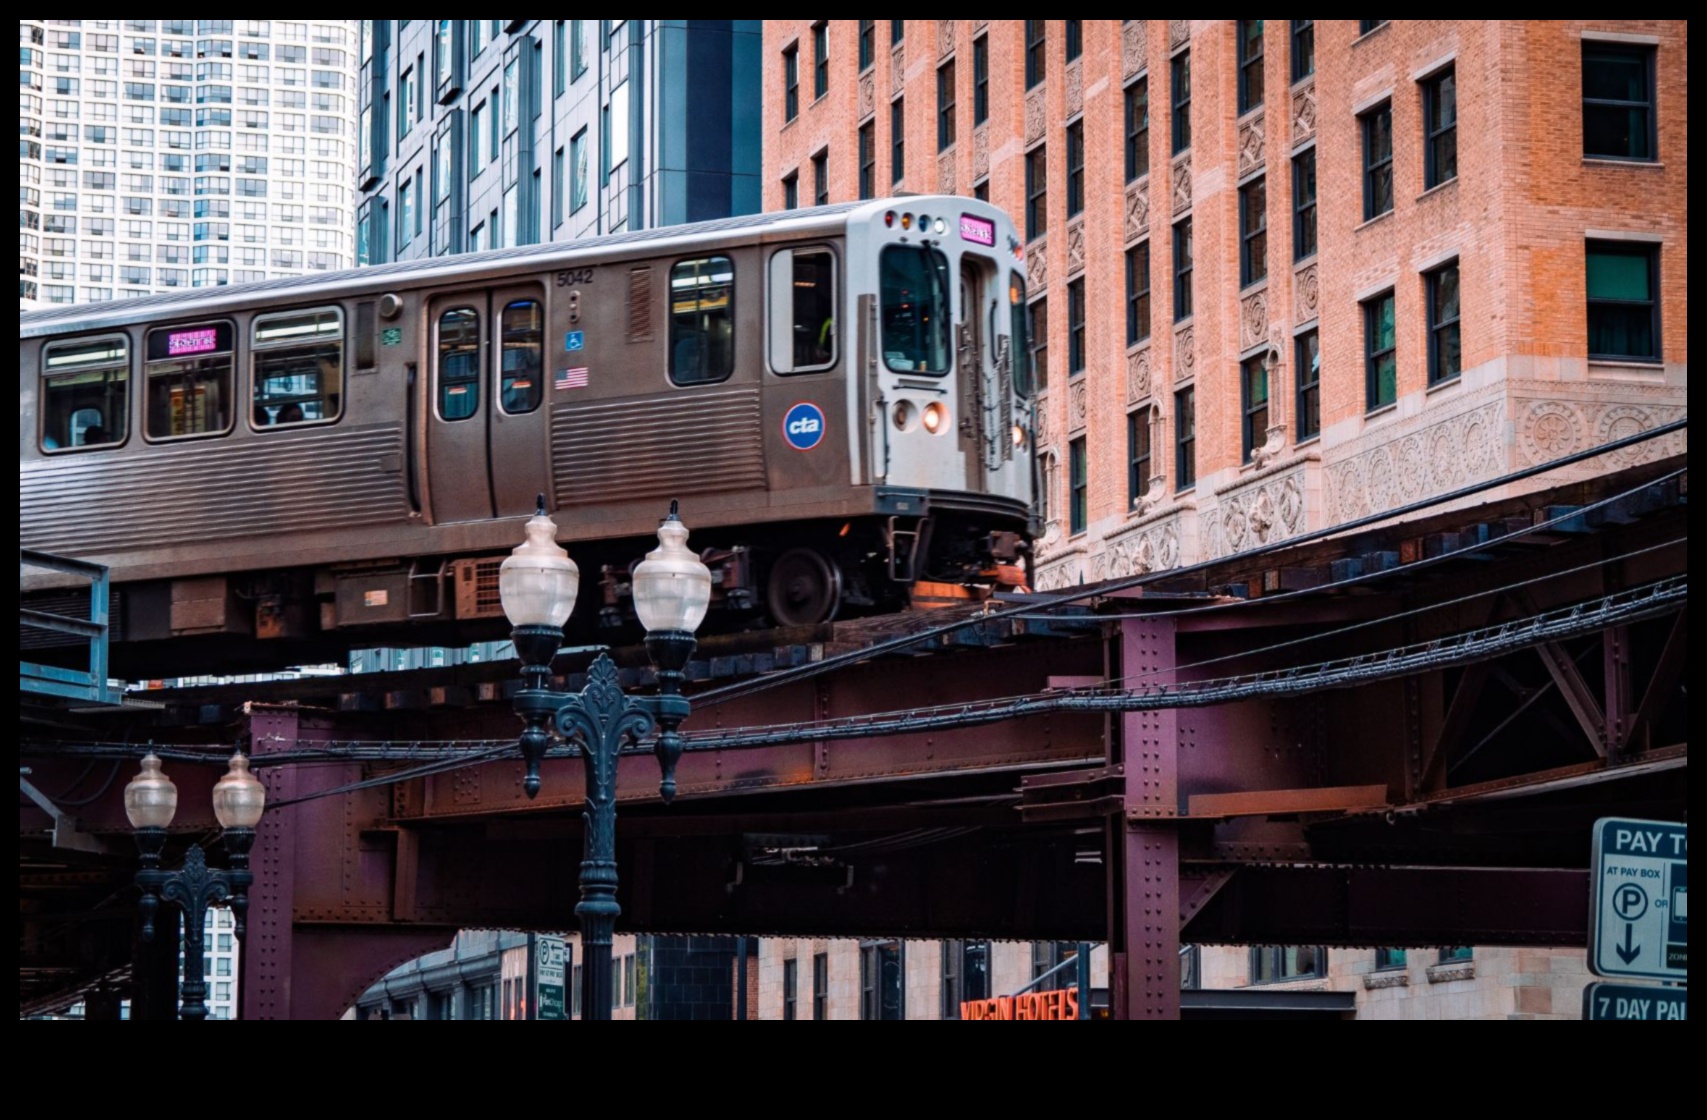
x=459, y=363
x=299, y=367
x=915, y=312
x=1019, y=345
x=702, y=323
x=521, y=365
x=85, y=393
x=803, y=302
x=186, y=380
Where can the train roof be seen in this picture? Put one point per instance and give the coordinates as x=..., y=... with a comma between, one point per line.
x=165, y=305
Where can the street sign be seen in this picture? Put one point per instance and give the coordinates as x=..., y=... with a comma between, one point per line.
x=1641, y=900
x=549, y=971
x=1635, y=1001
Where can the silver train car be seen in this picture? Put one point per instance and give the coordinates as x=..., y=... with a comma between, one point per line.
x=276, y=472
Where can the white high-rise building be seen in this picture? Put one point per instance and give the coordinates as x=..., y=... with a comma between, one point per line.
x=172, y=153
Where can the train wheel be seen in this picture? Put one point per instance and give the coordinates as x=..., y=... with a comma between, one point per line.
x=804, y=588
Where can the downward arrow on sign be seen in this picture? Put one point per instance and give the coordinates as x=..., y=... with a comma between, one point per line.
x=1628, y=952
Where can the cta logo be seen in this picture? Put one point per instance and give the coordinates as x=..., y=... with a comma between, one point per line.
x=803, y=426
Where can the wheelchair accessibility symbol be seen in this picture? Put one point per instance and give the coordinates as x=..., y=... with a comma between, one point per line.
x=1629, y=902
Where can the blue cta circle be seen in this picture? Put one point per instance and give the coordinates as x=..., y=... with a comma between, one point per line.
x=803, y=426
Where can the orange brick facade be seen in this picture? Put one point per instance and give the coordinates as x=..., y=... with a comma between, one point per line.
x=1514, y=222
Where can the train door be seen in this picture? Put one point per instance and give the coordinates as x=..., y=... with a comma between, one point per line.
x=459, y=486
x=973, y=388
x=519, y=421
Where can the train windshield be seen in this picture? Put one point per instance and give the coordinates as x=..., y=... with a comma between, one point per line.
x=915, y=309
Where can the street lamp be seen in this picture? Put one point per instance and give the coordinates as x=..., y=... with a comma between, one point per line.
x=150, y=801
x=537, y=585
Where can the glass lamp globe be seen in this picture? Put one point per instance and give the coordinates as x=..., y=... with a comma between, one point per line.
x=238, y=796
x=537, y=582
x=672, y=589
x=151, y=798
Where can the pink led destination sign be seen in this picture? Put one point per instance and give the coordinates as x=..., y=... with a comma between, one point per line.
x=202, y=340
x=980, y=231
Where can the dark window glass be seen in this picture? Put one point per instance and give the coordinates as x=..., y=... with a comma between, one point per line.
x=1387, y=959
x=1076, y=327
x=1036, y=62
x=702, y=321
x=1038, y=322
x=821, y=986
x=521, y=367
x=1365, y=26
x=1271, y=963
x=85, y=393
x=914, y=298
x=1381, y=366
x=1179, y=71
x=1138, y=454
x=1377, y=127
x=981, y=191
x=821, y=179
x=882, y=981
x=791, y=192
x=945, y=105
x=298, y=360
x=1440, y=129
x=1250, y=63
x=867, y=159
x=1138, y=129
x=1253, y=394
x=897, y=141
x=1303, y=48
x=820, y=59
x=1444, y=357
x=1075, y=38
x=1182, y=270
x=1078, y=487
x=1138, y=293
x=1036, y=192
x=790, y=988
x=187, y=381
x=1457, y=953
x=813, y=322
x=790, y=83
x=866, y=52
x=1618, y=101
x=1253, y=232
x=980, y=80
x=1020, y=341
x=1185, y=438
x=1075, y=168
x=1304, y=205
x=897, y=31
x=1623, y=300
x=1307, y=359
x=965, y=974
x=459, y=363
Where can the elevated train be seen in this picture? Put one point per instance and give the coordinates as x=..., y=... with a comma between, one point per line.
x=840, y=397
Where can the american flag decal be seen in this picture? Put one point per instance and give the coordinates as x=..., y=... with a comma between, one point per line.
x=572, y=378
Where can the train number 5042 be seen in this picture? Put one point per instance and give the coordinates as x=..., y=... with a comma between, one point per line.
x=570, y=277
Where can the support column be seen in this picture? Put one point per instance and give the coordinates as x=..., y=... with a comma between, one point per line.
x=265, y=961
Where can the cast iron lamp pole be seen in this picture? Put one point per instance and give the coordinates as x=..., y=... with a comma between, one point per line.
x=537, y=585
x=150, y=801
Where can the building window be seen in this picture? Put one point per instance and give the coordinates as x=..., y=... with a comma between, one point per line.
x=1253, y=393
x=1618, y=101
x=577, y=48
x=1075, y=38
x=558, y=172
x=1365, y=26
x=897, y=140
x=866, y=53
x=965, y=974
x=1078, y=487
x=1307, y=359
x=1304, y=205
x=790, y=988
x=790, y=83
x=1076, y=327
x=1440, y=128
x=1303, y=49
x=1179, y=74
x=1457, y=953
x=1075, y=168
x=868, y=159
x=945, y=105
x=1274, y=963
x=578, y=168
x=791, y=191
x=1381, y=366
x=1623, y=300
x=980, y=80
x=1036, y=62
x=1377, y=126
x=821, y=986
x=1138, y=129
x=1036, y=192
x=1253, y=232
x=1182, y=270
x=1138, y=293
x=882, y=980
x=820, y=59
x=1445, y=357
x=405, y=102
x=702, y=321
x=1185, y=438
x=821, y=179
x=981, y=191
x=1250, y=63
x=1037, y=329
x=1138, y=453
x=897, y=32
x=1387, y=960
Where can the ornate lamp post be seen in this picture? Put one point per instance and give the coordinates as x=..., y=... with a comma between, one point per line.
x=150, y=801
x=537, y=585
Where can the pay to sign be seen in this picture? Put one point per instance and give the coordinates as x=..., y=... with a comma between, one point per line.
x=1640, y=911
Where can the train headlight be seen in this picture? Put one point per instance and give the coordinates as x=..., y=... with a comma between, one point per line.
x=940, y=227
x=935, y=418
x=903, y=415
x=1019, y=438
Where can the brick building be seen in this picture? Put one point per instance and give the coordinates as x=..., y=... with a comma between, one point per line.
x=1284, y=273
